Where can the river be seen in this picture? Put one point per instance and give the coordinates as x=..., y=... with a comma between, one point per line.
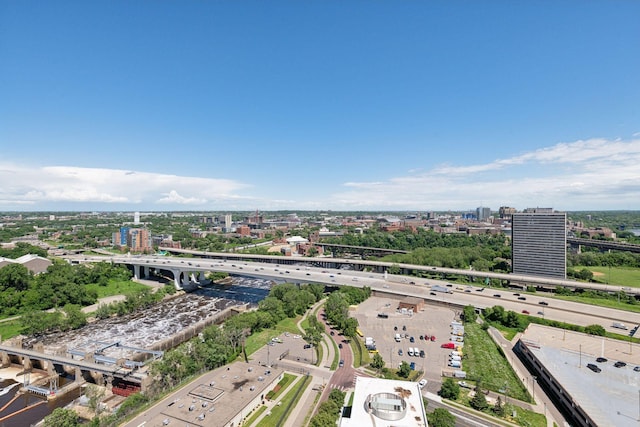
x=140, y=330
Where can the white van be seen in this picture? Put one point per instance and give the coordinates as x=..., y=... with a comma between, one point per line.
x=398, y=338
x=410, y=351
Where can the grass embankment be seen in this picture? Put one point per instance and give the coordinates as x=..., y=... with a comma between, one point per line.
x=10, y=328
x=360, y=353
x=116, y=288
x=281, y=387
x=259, y=339
x=484, y=361
x=281, y=412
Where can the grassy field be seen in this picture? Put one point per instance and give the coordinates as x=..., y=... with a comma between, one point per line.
x=619, y=276
x=259, y=339
x=10, y=329
x=483, y=361
x=116, y=288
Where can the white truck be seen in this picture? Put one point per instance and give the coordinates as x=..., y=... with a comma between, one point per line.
x=619, y=325
x=398, y=338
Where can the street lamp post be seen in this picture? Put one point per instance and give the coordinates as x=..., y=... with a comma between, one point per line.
x=533, y=387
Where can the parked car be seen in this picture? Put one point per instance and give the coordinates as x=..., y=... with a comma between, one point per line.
x=412, y=339
x=593, y=367
x=400, y=352
x=340, y=345
x=433, y=337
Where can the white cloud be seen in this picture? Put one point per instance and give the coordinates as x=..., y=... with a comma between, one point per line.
x=591, y=174
x=585, y=174
x=56, y=184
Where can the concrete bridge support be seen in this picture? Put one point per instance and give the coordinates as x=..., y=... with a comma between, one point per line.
x=136, y=271
x=177, y=279
x=5, y=360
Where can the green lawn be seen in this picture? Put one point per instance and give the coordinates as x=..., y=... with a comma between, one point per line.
x=116, y=288
x=483, y=361
x=255, y=415
x=10, y=329
x=619, y=276
x=286, y=379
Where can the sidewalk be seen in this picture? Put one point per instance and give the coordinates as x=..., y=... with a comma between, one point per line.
x=328, y=351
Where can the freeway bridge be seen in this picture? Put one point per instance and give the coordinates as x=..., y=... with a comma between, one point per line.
x=189, y=271
x=603, y=244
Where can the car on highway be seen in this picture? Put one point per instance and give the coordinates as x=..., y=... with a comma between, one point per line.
x=432, y=293
x=620, y=364
x=422, y=383
x=522, y=298
x=543, y=303
x=516, y=295
x=637, y=369
x=525, y=312
x=497, y=295
x=601, y=360
x=341, y=364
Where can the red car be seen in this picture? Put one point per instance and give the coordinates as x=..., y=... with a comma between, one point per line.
x=525, y=312
x=427, y=337
x=433, y=337
x=448, y=345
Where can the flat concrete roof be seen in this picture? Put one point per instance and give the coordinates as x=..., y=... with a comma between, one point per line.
x=218, y=395
x=610, y=397
x=389, y=394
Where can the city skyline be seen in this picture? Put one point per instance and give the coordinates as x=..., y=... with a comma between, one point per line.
x=230, y=106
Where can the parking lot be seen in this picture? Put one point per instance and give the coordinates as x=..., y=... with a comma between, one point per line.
x=285, y=347
x=431, y=320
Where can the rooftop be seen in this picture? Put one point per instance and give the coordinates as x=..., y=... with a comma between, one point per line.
x=610, y=397
x=379, y=402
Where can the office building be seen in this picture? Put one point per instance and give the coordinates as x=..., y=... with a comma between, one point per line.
x=483, y=213
x=538, y=244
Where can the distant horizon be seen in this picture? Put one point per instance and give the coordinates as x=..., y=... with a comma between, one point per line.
x=416, y=211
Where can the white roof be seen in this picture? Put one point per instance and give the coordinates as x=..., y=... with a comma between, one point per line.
x=296, y=239
x=385, y=395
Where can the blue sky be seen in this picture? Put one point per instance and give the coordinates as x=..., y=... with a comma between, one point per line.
x=380, y=105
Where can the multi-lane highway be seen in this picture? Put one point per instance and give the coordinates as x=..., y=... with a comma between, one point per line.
x=461, y=295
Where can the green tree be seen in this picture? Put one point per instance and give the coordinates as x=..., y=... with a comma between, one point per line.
x=440, y=417
x=74, y=317
x=469, y=314
x=595, y=330
x=404, y=370
x=479, y=401
x=498, y=408
x=377, y=362
x=61, y=417
x=449, y=389
x=15, y=276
